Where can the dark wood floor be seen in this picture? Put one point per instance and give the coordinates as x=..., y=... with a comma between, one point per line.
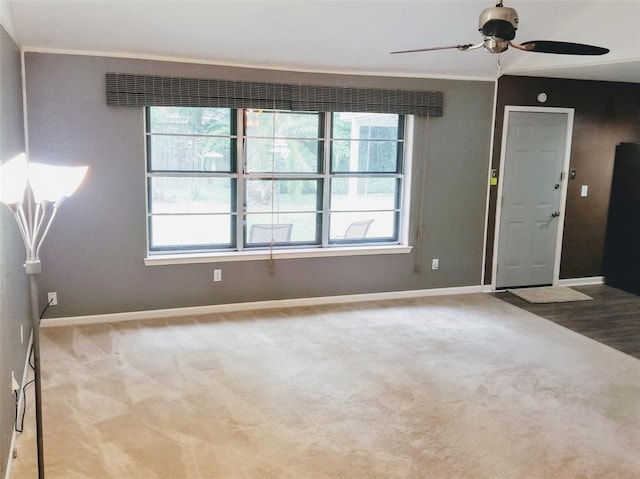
x=612, y=318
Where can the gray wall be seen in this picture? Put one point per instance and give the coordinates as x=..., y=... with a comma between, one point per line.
x=14, y=301
x=93, y=257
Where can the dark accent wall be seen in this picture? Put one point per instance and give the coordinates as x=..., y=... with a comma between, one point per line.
x=14, y=300
x=93, y=257
x=606, y=114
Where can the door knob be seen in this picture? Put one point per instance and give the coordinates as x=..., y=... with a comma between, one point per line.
x=556, y=186
x=555, y=214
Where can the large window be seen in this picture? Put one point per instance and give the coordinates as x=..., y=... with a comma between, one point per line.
x=224, y=179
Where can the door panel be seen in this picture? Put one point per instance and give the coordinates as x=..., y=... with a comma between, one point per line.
x=533, y=162
x=515, y=245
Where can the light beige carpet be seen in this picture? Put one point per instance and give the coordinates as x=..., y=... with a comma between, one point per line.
x=550, y=294
x=447, y=387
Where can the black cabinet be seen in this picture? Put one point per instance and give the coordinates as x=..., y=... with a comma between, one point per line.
x=622, y=246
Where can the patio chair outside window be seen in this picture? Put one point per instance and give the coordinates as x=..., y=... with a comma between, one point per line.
x=357, y=229
x=264, y=233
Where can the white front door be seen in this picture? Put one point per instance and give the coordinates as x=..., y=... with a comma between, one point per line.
x=535, y=154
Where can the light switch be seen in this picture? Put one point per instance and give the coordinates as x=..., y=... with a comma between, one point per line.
x=584, y=190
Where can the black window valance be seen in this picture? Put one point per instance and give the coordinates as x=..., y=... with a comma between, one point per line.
x=316, y=98
x=125, y=89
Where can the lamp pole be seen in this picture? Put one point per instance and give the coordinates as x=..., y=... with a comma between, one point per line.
x=35, y=314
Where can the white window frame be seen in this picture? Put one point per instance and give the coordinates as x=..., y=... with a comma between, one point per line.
x=325, y=249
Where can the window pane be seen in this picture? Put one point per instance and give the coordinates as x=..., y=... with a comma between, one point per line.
x=282, y=156
x=190, y=121
x=364, y=156
x=191, y=195
x=282, y=195
x=288, y=228
x=359, y=225
x=189, y=153
x=370, y=126
x=364, y=193
x=287, y=124
x=183, y=231
x=365, y=142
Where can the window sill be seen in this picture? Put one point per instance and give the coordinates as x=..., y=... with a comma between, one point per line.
x=228, y=256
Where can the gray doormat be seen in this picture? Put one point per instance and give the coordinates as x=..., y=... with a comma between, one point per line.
x=549, y=294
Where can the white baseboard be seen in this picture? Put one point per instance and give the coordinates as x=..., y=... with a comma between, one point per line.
x=21, y=400
x=254, y=305
x=581, y=281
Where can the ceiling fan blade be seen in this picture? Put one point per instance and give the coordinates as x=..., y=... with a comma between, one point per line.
x=468, y=46
x=562, y=48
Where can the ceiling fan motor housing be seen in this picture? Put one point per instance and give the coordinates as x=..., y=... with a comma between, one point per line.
x=499, y=22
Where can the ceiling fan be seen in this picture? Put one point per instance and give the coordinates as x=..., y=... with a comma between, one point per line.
x=498, y=25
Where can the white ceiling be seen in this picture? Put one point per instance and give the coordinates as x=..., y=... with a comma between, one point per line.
x=345, y=36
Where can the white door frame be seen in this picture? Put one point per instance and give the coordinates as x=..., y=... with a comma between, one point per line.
x=563, y=185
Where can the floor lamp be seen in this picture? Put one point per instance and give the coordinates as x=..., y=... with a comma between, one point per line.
x=48, y=187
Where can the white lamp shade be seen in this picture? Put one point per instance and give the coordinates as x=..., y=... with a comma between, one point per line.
x=52, y=183
x=13, y=180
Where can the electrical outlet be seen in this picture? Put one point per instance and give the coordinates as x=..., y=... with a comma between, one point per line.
x=217, y=275
x=435, y=263
x=52, y=299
